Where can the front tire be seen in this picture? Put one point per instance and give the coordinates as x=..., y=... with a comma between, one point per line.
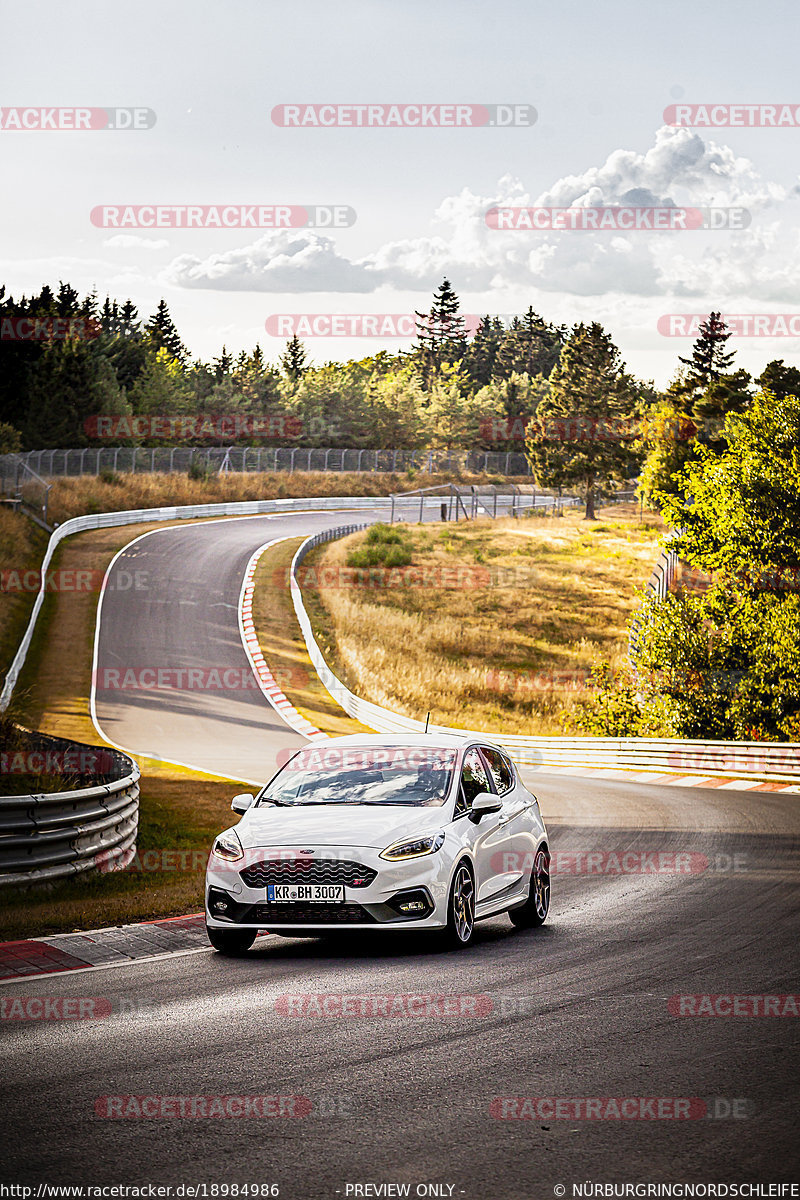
x=461, y=908
x=231, y=942
x=534, y=911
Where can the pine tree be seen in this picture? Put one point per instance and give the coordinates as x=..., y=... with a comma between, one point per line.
x=585, y=427
x=293, y=360
x=481, y=355
x=441, y=334
x=709, y=358
x=163, y=334
x=129, y=317
x=222, y=365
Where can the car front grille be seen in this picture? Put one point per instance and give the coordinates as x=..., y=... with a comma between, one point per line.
x=307, y=870
x=309, y=914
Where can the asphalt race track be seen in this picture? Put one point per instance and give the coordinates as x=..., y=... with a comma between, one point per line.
x=579, y=1009
x=185, y=614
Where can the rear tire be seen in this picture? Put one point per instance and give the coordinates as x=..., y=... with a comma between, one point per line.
x=231, y=942
x=534, y=911
x=461, y=908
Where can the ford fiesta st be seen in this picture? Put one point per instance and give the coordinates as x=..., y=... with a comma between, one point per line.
x=369, y=832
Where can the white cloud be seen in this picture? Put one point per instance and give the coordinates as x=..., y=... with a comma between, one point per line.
x=679, y=169
x=285, y=261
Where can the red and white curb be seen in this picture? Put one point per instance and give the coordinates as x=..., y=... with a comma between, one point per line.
x=666, y=779
x=266, y=680
x=99, y=949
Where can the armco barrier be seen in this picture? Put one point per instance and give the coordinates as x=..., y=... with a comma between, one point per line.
x=53, y=835
x=779, y=761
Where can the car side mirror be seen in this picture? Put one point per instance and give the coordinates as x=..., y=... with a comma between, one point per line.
x=240, y=804
x=483, y=804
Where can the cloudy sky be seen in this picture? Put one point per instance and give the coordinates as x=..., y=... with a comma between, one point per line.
x=599, y=76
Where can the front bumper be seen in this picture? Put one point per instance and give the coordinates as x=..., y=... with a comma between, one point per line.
x=406, y=895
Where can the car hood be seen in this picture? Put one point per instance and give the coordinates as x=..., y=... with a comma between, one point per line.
x=338, y=825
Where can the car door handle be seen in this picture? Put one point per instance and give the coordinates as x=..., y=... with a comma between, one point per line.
x=516, y=813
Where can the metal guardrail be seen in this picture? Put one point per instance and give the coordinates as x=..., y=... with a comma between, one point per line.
x=480, y=500
x=659, y=585
x=778, y=761
x=53, y=835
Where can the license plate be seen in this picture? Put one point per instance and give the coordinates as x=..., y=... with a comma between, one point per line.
x=305, y=893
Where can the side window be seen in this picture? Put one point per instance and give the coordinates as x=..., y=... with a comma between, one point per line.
x=501, y=771
x=473, y=780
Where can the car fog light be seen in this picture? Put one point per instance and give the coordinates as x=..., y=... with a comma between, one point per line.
x=221, y=905
x=412, y=906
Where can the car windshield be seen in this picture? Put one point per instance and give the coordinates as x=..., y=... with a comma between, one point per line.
x=413, y=775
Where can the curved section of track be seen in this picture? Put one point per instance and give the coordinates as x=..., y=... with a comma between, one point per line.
x=180, y=619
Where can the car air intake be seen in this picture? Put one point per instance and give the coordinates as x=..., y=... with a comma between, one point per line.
x=307, y=870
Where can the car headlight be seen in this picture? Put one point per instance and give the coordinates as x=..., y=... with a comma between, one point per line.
x=413, y=849
x=228, y=846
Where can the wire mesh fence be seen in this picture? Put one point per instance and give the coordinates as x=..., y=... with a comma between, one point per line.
x=169, y=459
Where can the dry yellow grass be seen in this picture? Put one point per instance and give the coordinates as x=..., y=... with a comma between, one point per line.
x=74, y=496
x=22, y=546
x=504, y=626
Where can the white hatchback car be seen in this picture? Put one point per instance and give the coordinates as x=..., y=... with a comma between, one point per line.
x=366, y=832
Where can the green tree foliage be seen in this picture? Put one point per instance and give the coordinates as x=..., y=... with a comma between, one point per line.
x=691, y=413
x=726, y=664
x=530, y=346
x=585, y=427
x=10, y=439
x=744, y=510
x=723, y=665
x=779, y=379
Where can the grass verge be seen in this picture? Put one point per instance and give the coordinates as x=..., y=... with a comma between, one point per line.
x=494, y=625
